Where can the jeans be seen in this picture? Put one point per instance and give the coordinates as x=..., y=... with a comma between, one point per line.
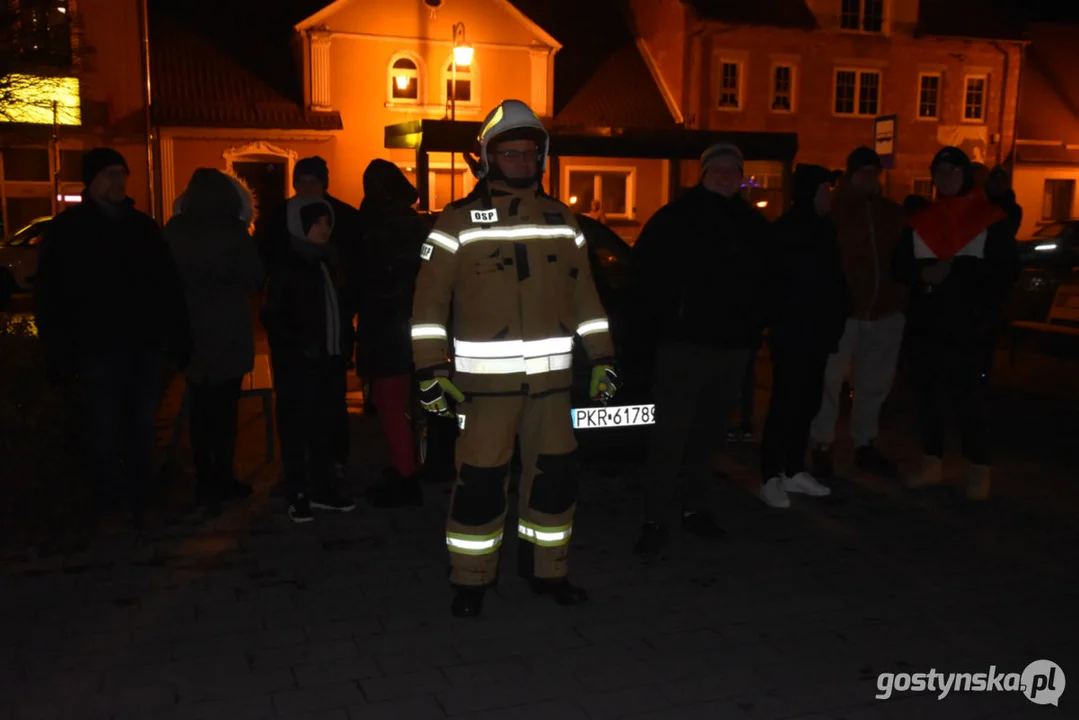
x=797, y=378
x=214, y=410
x=952, y=375
x=121, y=391
x=694, y=388
x=310, y=393
x=872, y=347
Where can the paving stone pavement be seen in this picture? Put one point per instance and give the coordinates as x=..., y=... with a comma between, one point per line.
x=793, y=616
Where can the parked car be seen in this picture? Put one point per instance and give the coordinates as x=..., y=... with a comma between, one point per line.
x=1049, y=258
x=18, y=260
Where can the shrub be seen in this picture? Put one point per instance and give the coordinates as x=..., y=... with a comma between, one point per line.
x=45, y=499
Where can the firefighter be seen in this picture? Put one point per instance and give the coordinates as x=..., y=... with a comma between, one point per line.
x=515, y=264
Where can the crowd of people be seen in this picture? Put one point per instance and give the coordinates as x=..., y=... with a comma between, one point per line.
x=476, y=318
x=839, y=283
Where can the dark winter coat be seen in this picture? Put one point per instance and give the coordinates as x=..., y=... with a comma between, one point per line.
x=700, y=269
x=964, y=309
x=383, y=274
x=294, y=310
x=869, y=229
x=106, y=281
x=220, y=268
x=811, y=300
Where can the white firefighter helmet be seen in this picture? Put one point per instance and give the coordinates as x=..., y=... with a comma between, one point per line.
x=514, y=118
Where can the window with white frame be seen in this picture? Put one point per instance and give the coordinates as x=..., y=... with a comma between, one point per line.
x=404, y=79
x=862, y=15
x=464, y=83
x=929, y=96
x=612, y=187
x=857, y=92
x=925, y=188
x=974, y=98
x=783, y=88
x=730, y=85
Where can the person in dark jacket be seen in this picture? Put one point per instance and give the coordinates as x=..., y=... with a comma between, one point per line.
x=811, y=305
x=384, y=280
x=110, y=312
x=302, y=316
x=700, y=266
x=311, y=180
x=960, y=259
x=220, y=268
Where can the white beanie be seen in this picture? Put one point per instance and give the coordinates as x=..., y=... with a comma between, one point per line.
x=723, y=149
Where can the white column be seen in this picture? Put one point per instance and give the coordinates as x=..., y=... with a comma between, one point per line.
x=320, y=70
x=538, y=100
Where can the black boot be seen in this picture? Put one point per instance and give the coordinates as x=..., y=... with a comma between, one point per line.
x=560, y=590
x=654, y=538
x=395, y=491
x=702, y=524
x=467, y=601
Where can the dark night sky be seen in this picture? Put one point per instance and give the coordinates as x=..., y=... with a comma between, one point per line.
x=1050, y=10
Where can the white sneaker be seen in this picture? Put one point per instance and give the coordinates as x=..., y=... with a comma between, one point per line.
x=773, y=494
x=805, y=483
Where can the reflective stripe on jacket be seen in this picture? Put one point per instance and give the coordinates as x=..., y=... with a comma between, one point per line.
x=521, y=287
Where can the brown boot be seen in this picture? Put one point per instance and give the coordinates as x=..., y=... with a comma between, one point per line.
x=931, y=472
x=978, y=483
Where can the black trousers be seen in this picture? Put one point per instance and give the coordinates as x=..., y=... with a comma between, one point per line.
x=310, y=393
x=695, y=387
x=797, y=387
x=121, y=391
x=748, y=402
x=214, y=411
x=955, y=375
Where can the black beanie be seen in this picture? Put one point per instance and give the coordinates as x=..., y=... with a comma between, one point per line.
x=312, y=213
x=315, y=167
x=863, y=157
x=96, y=160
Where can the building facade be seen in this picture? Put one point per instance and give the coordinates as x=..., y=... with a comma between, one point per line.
x=86, y=56
x=826, y=69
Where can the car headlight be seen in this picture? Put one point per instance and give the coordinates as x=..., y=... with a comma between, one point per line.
x=1045, y=247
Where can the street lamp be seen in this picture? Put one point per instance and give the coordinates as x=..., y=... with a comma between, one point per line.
x=462, y=55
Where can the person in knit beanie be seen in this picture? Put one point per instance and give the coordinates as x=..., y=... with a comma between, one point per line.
x=112, y=338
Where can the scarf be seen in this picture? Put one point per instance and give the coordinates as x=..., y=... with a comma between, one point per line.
x=947, y=225
x=321, y=254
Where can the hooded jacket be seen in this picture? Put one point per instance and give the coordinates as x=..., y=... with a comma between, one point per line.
x=869, y=228
x=302, y=313
x=811, y=298
x=515, y=266
x=219, y=268
x=383, y=272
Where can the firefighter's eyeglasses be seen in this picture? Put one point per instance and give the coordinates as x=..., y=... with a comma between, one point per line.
x=518, y=155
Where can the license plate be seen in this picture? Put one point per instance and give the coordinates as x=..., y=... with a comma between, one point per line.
x=608, y=417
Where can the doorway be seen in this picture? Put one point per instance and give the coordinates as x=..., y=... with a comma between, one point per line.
x=266, y=177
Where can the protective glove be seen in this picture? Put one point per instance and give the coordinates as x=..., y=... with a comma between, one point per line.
x=604, y=383
x=433, y=392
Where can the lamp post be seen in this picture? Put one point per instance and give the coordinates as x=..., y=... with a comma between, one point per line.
x=462, y=55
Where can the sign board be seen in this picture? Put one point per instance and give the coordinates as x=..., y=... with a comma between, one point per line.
x=884, y=140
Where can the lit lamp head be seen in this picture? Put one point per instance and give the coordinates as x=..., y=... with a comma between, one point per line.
x=402, y=82
x=462, y=55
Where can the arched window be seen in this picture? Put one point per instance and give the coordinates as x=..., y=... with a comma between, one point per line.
x=466, y=82
x=405, y=77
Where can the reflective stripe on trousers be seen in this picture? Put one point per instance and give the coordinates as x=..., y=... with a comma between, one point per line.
x=544, y=536
x=474, y=544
